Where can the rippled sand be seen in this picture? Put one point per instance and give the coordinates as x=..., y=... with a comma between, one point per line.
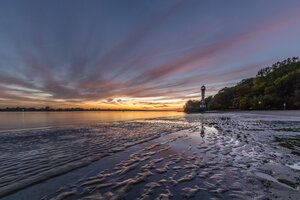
x=201, y=156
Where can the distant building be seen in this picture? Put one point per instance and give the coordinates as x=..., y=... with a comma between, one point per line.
x=202, y=105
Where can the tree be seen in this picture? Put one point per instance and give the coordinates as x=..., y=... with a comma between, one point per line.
x=271, y=87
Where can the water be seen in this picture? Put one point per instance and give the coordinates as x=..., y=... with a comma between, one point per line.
x=31, y=120
x=237, y=155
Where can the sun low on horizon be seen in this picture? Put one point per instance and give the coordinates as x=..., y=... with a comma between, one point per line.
x=139, y=55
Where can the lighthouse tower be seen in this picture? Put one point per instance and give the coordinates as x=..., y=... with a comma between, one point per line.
x=202, y=105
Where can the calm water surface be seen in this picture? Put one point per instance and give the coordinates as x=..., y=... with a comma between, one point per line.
x=30, y=120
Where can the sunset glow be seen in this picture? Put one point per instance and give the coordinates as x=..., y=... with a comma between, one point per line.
x=152, y=55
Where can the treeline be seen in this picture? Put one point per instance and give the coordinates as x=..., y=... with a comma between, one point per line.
x=272, y=87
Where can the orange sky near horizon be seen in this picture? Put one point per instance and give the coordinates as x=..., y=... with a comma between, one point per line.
x=114, y=104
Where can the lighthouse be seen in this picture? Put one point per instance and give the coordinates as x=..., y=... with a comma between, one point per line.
x=202, y=105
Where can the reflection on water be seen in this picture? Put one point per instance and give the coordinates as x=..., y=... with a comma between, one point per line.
x=202, y=131
x=28, y=120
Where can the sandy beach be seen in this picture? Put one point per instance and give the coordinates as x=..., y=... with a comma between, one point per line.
x=238, y=155
x=280, y=113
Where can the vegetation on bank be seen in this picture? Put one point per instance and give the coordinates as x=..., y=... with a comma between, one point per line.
x=271, y=88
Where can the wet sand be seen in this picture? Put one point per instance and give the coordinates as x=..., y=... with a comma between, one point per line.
x=281, y=113
x=238, y=155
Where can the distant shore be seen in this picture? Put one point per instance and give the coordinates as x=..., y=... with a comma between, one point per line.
x=72, y=110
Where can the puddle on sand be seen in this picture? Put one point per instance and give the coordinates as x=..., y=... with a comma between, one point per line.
x=281, y=182
x=294, y=166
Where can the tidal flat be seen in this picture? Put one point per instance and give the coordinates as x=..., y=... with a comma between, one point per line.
x=232, y=155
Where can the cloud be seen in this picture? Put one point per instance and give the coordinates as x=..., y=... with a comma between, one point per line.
x=73, y=66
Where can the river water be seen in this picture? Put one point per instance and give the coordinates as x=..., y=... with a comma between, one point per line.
x=31, y=120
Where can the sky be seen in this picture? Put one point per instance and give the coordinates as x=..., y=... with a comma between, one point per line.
x=137, y=54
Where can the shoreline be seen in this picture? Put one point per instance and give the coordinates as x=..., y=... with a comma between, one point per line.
x=292, y=113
